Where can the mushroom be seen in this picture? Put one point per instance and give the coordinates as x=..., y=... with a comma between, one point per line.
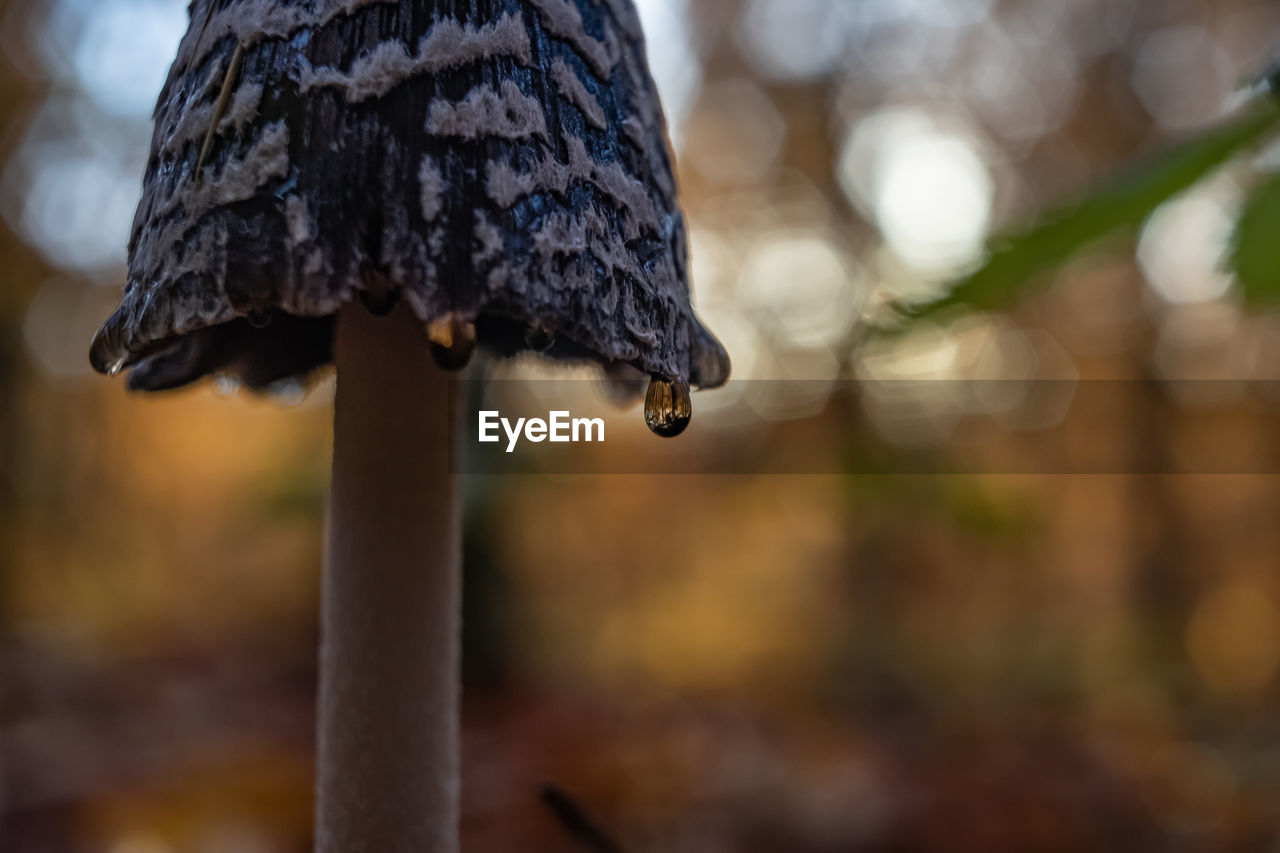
x=365, y=182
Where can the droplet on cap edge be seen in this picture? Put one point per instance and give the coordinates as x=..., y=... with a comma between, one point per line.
x=453, y=341
x=668, y=407
x=106, y=355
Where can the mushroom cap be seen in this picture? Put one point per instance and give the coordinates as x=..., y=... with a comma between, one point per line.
x=504, y=162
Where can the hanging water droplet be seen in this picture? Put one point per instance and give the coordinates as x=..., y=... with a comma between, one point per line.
x=106, y=353
x=539, y=338
x=453, y=340
x=668, y=407
x=260, y=319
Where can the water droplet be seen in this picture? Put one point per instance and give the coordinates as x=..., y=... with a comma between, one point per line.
x=539, y=338
x=453, y=340
x=260, y=319
x=667, y=407
x=106, y=353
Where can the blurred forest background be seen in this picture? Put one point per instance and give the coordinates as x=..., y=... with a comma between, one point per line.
x=759, y=662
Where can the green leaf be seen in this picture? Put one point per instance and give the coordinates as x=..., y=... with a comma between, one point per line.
x=1255, y=249
x=1119, y=207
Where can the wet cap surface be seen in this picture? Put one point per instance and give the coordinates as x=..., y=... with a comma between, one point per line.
x=500, y=167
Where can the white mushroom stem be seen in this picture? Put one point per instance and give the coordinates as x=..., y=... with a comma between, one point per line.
x=388, y=776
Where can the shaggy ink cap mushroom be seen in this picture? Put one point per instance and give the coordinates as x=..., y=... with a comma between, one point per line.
x=501, y=167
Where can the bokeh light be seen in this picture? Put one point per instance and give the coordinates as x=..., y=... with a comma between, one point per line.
x=1234, y=637
x=118, y=50
x=1184, y=244
x=1070, y=642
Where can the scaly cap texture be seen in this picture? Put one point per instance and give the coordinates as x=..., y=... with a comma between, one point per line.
x=500, y=165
